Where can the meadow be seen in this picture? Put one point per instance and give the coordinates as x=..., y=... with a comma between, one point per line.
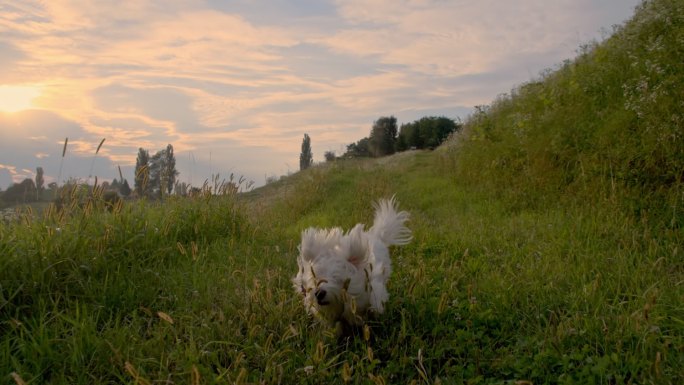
x=198, y=291
x=547, y=249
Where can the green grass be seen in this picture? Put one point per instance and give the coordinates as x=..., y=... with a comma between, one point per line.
x=486, y=293
x=547, y=249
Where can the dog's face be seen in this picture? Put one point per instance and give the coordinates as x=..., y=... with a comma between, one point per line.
x=327, y=268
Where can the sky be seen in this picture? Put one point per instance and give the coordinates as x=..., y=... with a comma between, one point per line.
x=233, y=85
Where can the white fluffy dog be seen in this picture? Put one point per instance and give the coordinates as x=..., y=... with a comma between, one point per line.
x=342, y=276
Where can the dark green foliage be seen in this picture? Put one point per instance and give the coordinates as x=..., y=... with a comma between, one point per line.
x=156, y=166
x=428, y=132
x=329, y=156
x=306, y=156
x=168, y=172
x=359, y=149
x=142, y=173
x=39, y=182
x=23, y=192
x=125, y=189
x=115, y=185
x=383, y=136
x=155, y=176
x=162, y=168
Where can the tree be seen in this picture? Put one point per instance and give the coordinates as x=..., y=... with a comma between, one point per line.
x=437, y=129
x=156, y=170
x=329, y=156
x=20, y=192
x=383, y=136
x=53, y=188
x=409, y=137
x=39, y=181
x=401, y=144
x=358, y=149
x=169, y=172
x=115, y=185
x=306, y=157
x=142, y=173
x=125, y=189
x=162, y=173
x=428, y=132
x=415, y=138
x=181, y=188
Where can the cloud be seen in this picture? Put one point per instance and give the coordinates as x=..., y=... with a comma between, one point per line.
x=6, y=173
x=37, y=139
x=10, y=55
x=459, y=38
x=243, y=81
x=163, y=104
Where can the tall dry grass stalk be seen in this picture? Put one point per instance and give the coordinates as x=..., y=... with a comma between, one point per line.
x=61, y=163
x=92, y=164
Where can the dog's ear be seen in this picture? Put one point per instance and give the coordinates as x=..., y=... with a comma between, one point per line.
x=316, y=241
x=308, y=249
x=358, y=245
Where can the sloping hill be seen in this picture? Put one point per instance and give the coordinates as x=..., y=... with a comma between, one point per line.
x=558, y=213
x=608, y=124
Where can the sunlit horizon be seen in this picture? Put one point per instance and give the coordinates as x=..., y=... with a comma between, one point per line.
x=17, y=98
x=234, y=86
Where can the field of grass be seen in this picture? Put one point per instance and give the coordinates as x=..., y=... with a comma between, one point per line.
x=199, y=291
x=547, y=249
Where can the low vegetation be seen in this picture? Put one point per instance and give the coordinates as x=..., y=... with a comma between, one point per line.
x=547, y=249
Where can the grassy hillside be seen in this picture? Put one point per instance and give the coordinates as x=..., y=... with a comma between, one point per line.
x=547, y=249
x=608, y=123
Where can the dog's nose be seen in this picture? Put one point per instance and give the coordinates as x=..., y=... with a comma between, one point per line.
x=320, y=296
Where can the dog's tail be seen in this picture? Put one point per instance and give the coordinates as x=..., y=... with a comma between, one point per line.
x=389, y=223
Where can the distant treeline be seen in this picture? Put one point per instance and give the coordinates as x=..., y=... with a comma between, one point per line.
x=386, y=138
x=28, y=190
x=155, y=176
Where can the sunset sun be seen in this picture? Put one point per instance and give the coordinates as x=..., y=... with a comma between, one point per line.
x=17, y=98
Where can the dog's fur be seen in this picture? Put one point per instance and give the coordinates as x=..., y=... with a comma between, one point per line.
x=342, y=276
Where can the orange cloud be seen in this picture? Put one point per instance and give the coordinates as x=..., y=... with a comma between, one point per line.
x=144, y=73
